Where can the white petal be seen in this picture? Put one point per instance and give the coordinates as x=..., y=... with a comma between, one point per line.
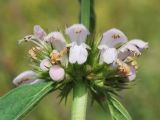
x=57, y=40
x=83, y=54
x=73, y=54
x=113, y=37
x=56, y=73
x=128, y=50
x=77, y=33
x=139, y=44
x=39, y=32
x=109, y=55
x=25, y=77
x=45, y=65
x=78, y=53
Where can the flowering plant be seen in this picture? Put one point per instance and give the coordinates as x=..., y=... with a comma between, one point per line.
x=73, y=60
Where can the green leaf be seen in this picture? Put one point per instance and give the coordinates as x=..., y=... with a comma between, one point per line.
x=18, y=102
x=117, y=110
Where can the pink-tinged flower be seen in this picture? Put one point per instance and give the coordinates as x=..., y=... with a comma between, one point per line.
x=59, y=43
x=45, y=64
x=25, y=77
x=132, y=48
x=57, y=40
x=78, y=50
x=111, y=39
x=39, y=32
x=128, y=50
x=57, y=73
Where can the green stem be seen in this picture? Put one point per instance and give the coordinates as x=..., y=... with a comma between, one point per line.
x=85, y=12
x=79, y=105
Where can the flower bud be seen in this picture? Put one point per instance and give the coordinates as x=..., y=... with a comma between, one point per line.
x=25, y=77
x=56, y=73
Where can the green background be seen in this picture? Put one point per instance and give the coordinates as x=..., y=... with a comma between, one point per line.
x=137, y=18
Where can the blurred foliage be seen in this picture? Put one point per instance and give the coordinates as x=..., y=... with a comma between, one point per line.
x=137, y=18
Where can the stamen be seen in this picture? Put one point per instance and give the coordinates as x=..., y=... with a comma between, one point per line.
x=78, y=31
x=123, y=68
x=55, y=57
x=115, y=36
x=33, y=52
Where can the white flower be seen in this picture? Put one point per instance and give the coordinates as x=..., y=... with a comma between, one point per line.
x=45, y=64
x=25, y=77
x=56, y=73
x=78, y=50
x=118, y=57
x=110, y=40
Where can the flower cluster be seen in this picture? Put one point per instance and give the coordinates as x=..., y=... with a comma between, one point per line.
x=108, y=62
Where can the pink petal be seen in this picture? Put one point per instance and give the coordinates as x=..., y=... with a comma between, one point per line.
x=56, y=73
x=39, y=32
x=57, y=40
